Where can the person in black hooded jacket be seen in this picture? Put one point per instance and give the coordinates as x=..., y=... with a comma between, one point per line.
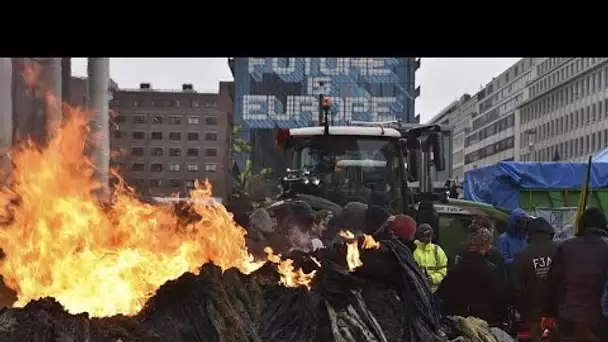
x=530, y=270
x=576, y=280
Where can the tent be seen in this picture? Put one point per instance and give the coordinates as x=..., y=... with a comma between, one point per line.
x=499, y=184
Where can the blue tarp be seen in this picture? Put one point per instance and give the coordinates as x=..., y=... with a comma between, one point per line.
x=601, y=157
x=499, y=184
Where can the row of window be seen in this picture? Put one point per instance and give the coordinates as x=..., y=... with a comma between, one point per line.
x=590, y=84
x=174, y=136
x=560, y=75
x=173, y=152
x=174, y=183
x=578, y=118
x=489, y=131
x=175, y=103
x=571, y=149
x=506, y=92
x=170, y=120
x=490, y=150
x=549, y=63
x=172, y=167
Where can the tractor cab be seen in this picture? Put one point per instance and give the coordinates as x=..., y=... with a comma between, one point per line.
x=347, y=164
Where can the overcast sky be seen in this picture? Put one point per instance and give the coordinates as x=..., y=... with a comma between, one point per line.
x=442, y=80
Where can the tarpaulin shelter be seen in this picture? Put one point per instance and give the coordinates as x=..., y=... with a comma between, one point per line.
x=501, y=184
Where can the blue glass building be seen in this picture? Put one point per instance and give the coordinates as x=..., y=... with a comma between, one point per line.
x=284, y=92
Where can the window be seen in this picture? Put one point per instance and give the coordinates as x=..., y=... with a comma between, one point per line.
x=190, y=183
x=157, y=103
x=120, y=119
x=193, y=120
x=139, y=119
x=138, y=167
x=175, y=103
x=192, y=152
x=175, y=152
x=207, y=104
x=138, y=183
x=155, y=183
x=211, y=120
x=156, y=136
x=138, y=103
x=157, y=120
x=175, y=183
x=120, y=134
x=174, y=120
x=192, y=167
x=174, y=167
x=192, y=136
x=194, y=104
x=156, y=151
x=156, y=167
x=210, y=152
x=137, y=151
x=213, y=167
x=139, y=135
x=210, y=136
x=175, y=136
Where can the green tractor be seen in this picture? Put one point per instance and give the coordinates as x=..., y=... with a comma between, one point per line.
x=372, y=163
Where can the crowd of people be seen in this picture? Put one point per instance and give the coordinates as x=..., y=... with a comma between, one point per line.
x=526, y=278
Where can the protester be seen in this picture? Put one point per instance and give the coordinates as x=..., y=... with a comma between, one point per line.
x=530, y=274
x=430, y=257
x=375, y=217
x=404, y=228
x=319, y=225
x=576, y=281
x=474, y=286
x=259, y=232
x=353, y=216
x=493, y=255
x=514, y=239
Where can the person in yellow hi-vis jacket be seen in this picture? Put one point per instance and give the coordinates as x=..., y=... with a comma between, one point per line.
x=430, y=257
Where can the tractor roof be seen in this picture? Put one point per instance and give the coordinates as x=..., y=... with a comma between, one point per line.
x=346, y=130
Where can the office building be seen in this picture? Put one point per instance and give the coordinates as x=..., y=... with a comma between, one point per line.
x=163, y=140
x=494, y=134
x=565, y=112
x=284, y=92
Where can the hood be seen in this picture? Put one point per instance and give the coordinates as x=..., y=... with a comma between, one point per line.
x=512, y=227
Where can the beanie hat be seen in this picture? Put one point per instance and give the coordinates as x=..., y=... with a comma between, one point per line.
x=404, y=227
x=593, y=218
x=480, y=238
x=353, y=216
x=539, y=225
x=424, y=230
x=375, y=217
x=302, y=213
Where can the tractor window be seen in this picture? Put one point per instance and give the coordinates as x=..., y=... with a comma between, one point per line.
x=354, y=168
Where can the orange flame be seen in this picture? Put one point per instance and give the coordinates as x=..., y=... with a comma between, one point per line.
x=62, y=242
x=290, y=277
x=353, y=257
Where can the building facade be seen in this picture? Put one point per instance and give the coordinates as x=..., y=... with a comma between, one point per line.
x=565, y=112
x=284, y=92
x=164, y=140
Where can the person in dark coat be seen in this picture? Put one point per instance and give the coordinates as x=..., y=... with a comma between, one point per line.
x=493, y=254
x=576, y=281
x=474, y=286
x=531, y=267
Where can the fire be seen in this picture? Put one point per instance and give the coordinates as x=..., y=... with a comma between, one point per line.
x=353, y=257
x=104, y=260
x=290, y=277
